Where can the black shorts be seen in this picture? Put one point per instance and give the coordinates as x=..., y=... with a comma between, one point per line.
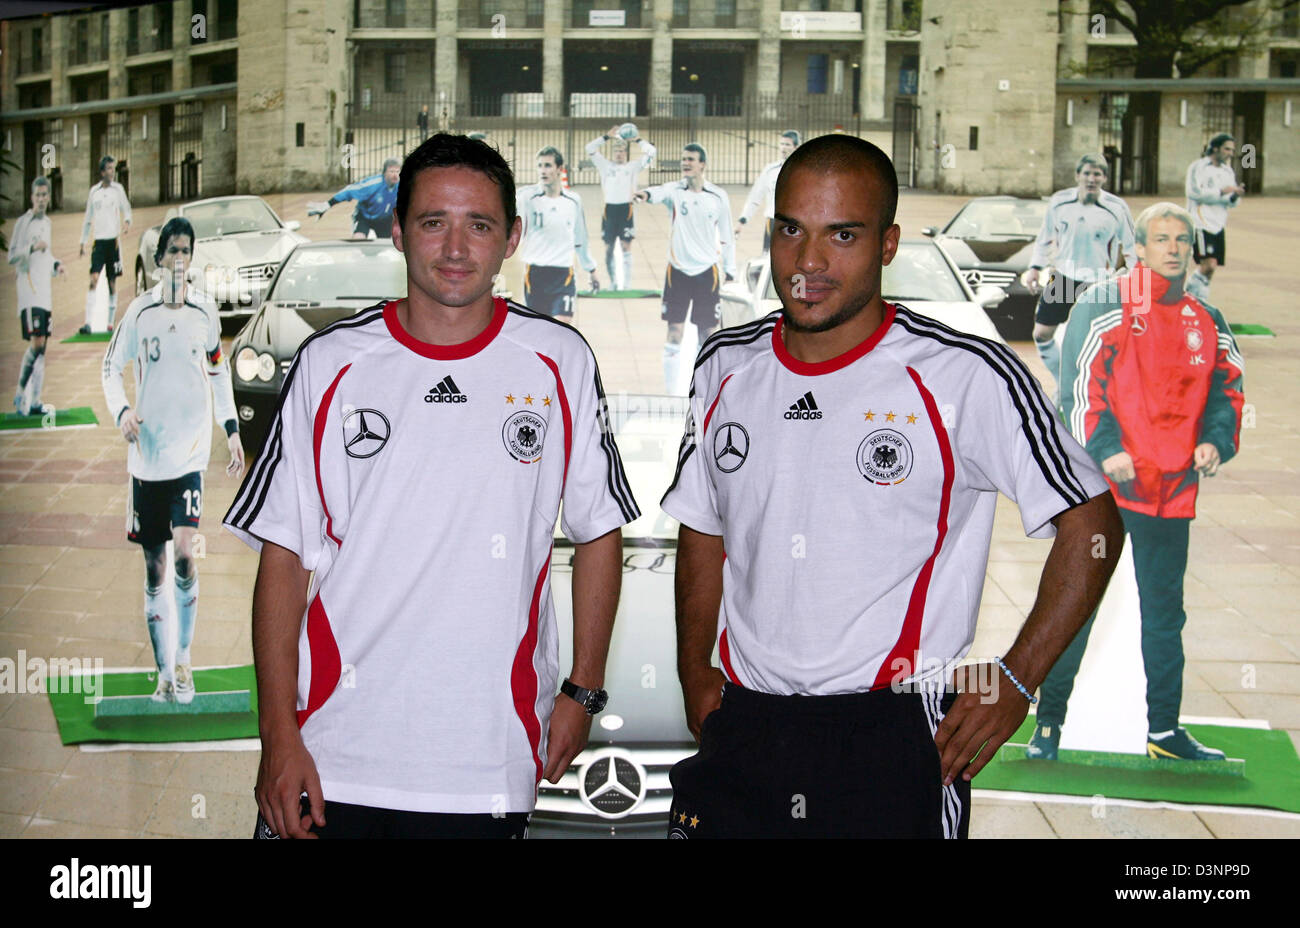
x=1059, y=295
x=549, y=290
x=618, y=223
x=698, y=293
x=105, y=256
x=157, y=506
x=382, y=227
x=36, y=321
x=862, y=765
x=349, y=821
x=1209, y=245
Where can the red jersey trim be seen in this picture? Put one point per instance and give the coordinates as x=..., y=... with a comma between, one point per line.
x=318, y=436
x=724, y=654
x=523, y=675
x=909, y=639
x=446, y=352
x=568, y=417
x=709, y=415
x=806, y=369
x=326, y=665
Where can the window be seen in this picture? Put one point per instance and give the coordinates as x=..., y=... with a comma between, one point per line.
x=536, y=14
x=158, y=82
x=681, y=13
x=133, y=31
x=37, y=60
x=974, y=143
x=162, y=17
x=103, y=38
x=724, y=14
x=582, y=12
x=227, y=19
x=395, y=73
x=817, y=67
x=396, y=14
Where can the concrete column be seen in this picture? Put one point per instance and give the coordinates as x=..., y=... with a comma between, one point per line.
x=182, y=72
x=1254, y=64
x=116, y=53
x=769, y=50
x=553, y=54
x=661, y=51
x=446, y=55
x=1072, y=55
x=60, y=35
x=871, y=70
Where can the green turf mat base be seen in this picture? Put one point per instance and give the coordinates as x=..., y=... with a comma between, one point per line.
x=618, y=294
x=60, y=418
x=1229, y=767
x=1271, y=778
x=234, y=702
x=1247, y=328
x=92, y=337
x=234, y=712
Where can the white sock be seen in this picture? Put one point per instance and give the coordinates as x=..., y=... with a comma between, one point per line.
x=112, y=306
x=187, y=612
x=157, y=614
x=90, y=305
x=35, y=382
x=672, y=365
x=627, y=270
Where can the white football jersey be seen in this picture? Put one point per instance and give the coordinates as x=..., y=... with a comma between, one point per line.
x=554, y=228
x=1205, y=198
x=855, y=497
x=106, y=209
x=763, y=192
x=34, y=268
x=618, y=181
x=701, y=236
x=179, y=371
x=421, y=484
x=1084, y=241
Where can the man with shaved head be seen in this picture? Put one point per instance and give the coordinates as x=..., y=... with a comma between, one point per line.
x=846, y=454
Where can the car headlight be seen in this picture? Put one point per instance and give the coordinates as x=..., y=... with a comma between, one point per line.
x=265, y=366
x=247, y=365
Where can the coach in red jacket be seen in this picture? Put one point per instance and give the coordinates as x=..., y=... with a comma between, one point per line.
x=1151, y=386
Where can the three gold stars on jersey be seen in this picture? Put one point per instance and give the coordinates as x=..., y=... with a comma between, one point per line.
x=870, y=416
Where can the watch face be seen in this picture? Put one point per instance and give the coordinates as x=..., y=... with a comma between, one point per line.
x=596, y=701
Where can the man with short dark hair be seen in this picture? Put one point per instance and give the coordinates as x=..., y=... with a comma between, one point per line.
x=856, y=538
x=374, y=196
x=108, y=216
x=413, y=474
x=1212, y=190
x=173, y=334
x=1152, y=386
x=700, y=243
x=618, y=182
x=29, y=252
x=1084, y=232
x=554, y=228
x=763, y=193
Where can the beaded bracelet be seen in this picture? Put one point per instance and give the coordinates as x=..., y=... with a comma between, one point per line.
x=1033, y=700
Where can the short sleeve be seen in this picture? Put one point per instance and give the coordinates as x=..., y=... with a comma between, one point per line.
x=597, y=496
x=279, y=501
x=1009, y=439
x=692, y=498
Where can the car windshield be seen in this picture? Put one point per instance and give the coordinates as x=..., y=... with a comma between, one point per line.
x=998, y=219
x=342, y=272
x=918, y=272
x=228, y=217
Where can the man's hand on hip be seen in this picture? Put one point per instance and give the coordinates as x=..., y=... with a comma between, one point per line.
x=979, y=722
x=702, y=690
x=567, y=736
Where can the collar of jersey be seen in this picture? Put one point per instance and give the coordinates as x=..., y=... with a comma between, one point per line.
x=446, y=352
x=833, y=364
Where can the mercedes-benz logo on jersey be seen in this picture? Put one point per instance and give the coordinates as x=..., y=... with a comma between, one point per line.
x=523, y=434
x=365, y=431
x=1139, y=324
x=730, y=446
x=612, y=784
x=885, y=457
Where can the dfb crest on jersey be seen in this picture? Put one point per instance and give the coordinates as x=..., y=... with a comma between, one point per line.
x=365, y=432
x=885, y=457
x=524, y=434
x=1194, y=339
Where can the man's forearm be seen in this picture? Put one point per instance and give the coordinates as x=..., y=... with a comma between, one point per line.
x=1089, y=539
x=279, y=601
x=698, y=584
x=597, y=579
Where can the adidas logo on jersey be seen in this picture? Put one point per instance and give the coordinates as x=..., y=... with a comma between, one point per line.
x=804, y=408
x=446, y=392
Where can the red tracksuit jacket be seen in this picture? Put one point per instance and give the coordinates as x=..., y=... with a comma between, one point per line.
x=1149, y=369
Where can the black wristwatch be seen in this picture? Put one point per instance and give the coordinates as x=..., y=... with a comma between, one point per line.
x=591, y=700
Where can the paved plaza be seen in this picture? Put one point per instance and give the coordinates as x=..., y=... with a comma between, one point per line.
x=71, y=585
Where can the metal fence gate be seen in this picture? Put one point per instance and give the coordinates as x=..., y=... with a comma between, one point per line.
x=738, y=133
x=1129, y=130
x=181, y=135
x=906, y=116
